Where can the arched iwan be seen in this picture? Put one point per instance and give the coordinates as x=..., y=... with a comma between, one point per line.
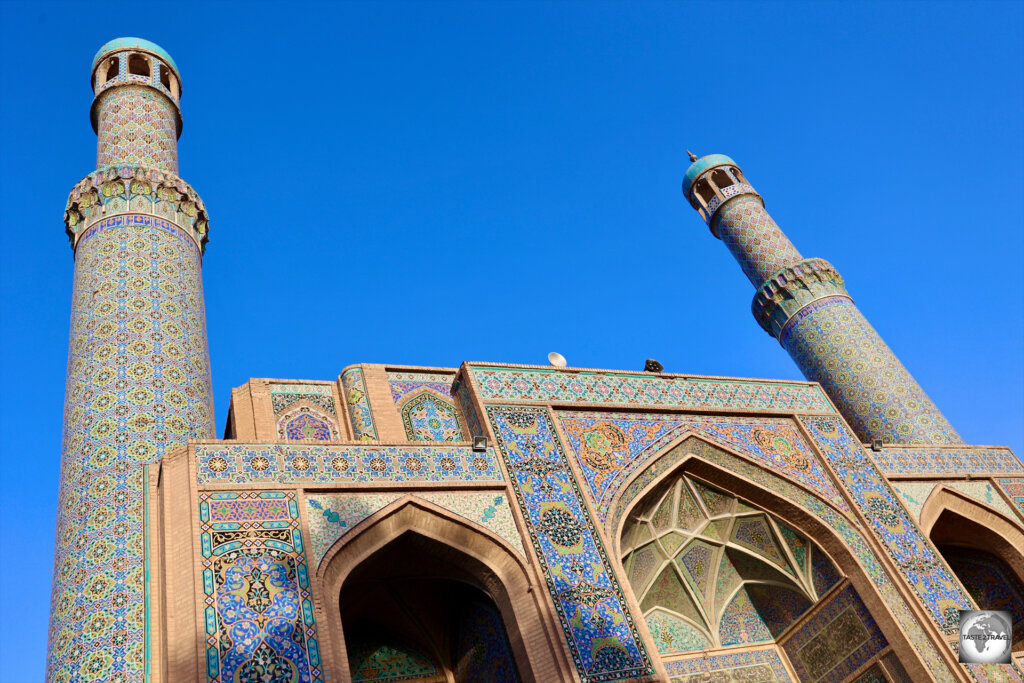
x=485, y=560
x=805, y=512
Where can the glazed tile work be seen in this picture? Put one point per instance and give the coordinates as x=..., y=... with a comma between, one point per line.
x=482, y=645
x=922, y=567
x=697, y=559
x=836, y=641
x=832, y=343
x=539, y=385
x=844, y=528
x=138, y=385
x=137, y=126
x=426, y=406
x=609, y=447
x=405, y=383
x=358, y=404
x=231, y=463
x=756, y=242
x=1014, y=488
x=915, y=493
x=379, y=662
x=597, y=624
x=258, y=608
x=333, y=515
x=305, y=412
x=755, y=666
x=947, y=461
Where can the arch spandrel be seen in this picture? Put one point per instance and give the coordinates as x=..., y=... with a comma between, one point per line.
x=841, y=538
x=487, y=561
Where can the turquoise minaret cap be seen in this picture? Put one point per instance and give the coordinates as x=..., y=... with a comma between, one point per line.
x=118, y=44
x=701, y=165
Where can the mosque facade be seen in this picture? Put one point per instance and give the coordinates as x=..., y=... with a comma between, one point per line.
x=498, y=522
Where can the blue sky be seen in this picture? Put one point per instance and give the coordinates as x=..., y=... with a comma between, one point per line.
x=430, y=183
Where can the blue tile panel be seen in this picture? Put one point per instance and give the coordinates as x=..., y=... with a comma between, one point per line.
x=358, y=404
x=598, y=626
x=537, y=385
x=258, y=606
x=944, y=461
x=755, y=240
x=834, y=344
x=755, y=665
x=322, y=464
x=138, y=385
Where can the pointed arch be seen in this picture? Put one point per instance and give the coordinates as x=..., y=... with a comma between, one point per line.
x=427, y=416
x=803, y=510
x=489, y=562
x=305, y=421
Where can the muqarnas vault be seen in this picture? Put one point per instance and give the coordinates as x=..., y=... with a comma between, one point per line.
x=497, y=522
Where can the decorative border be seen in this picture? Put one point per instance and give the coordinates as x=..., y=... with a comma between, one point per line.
x=537, y=385
x=943, y=461
x=706, y=664
x=231, y=463
x=595, y=619
x=261, y=511
x=358, y=404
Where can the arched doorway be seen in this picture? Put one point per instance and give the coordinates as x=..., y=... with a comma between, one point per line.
x=450, y=596
x=984, y=551
x=757, y=590
x=410, y=614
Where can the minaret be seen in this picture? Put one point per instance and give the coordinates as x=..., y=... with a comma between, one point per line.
x=804, y=304
x=138, y=382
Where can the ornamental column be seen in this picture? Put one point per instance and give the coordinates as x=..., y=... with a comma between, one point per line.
x=138, y=381
x=804, y=304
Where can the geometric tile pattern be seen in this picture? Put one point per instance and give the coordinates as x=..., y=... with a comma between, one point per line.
x=832, y=343
x=282, y=396
x=1014, y=488
x=599, y=630
x=332, y=515
x=754, y=239
x=137, y=126
x=482, y=647
x=427, y=417
x=138, y=385
x=231, y=463
x=756, y=666
x=373, y=660
x=358, y=404
x=536, y=385
x=710, y=590
x=835, y=641
x=306, y=424
x=922, y=567
x=258, y=609
x=842, y=526
x=404, y=383
x=952, y=461
x=914, y=494
x=609, y=447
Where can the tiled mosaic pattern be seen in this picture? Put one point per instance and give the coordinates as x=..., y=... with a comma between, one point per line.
x=834, y=344
x=991, y=582
x=756, y=666
x=483, y=652
x=358, y=404
x=951, y=461
x=1014, y=488
x=915, y=493
x=137, y=125
x=843, y=527
x=138, y=385
x=374, y=661
x=609, y=447
x=927, y=574
x=598, y=627
x=556, y=386
x=836, y=641
x=333, y=515
x=100, y=201
x=426, y=406
x=756, y=242
x=258, y=607
x=229, y=463
x=305, y=412
x=697, y=557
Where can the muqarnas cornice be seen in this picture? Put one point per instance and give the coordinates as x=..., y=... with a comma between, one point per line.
x=112, y=190
x=792, y=288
